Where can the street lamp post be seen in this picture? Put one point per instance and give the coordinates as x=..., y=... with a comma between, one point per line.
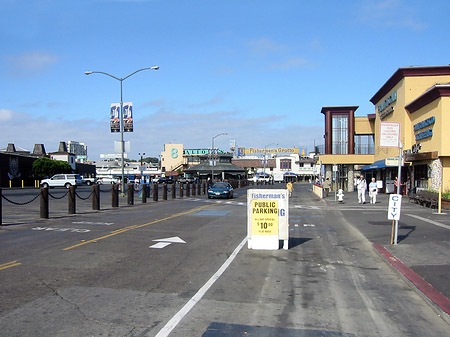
x=142, y=169
x=121, y=114
x=212, y=154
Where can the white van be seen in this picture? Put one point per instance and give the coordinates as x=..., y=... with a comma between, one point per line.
x=62, y=180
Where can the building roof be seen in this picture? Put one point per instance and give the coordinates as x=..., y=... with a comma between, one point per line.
x=408, y=72
x=428, y=96
x=245, y=163
x=205, y=167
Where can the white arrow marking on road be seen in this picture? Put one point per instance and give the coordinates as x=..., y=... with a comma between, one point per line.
x=160, y=245
x=167, y=241
x=174, y=239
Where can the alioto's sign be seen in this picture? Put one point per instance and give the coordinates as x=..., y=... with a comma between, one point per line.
x=267, y=218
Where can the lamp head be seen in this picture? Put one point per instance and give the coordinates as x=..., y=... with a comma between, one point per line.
x=154, y=67
x=88, y=72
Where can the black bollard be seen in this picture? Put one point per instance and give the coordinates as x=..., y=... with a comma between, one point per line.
x=181, y=190
x=115, y=195
x=199, y=188
x=1, y=223
x=194, y=188
x=44, y=203
x=188, y=190
x=174, y=191
x=72, y=200
x=155, y=192
x=144, y=193
x=204, y=188
x=130, y=190
x=164, y=191
x=95, y=197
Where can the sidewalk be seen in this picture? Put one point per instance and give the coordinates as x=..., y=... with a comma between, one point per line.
x=422, y=253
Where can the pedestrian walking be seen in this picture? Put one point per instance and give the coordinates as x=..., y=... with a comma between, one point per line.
x=290, y=188
x=326, y=186
x=373, y=190
x=362, y=186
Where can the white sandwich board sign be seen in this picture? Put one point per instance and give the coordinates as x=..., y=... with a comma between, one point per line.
x=267, y=218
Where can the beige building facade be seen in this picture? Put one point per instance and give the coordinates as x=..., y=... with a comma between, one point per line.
x=418, y=99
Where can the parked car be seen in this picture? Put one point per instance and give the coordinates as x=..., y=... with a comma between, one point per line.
x=220, y=190
x=89, y=181
x=186, y=180
x=167, y=180
x=108, y=180
x=62, y=180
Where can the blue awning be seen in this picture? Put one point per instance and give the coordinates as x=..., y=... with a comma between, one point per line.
x=376, y=165
x=290, y=174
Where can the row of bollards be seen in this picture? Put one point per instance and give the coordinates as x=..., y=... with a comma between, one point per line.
x=44, y=196
x=188, y=189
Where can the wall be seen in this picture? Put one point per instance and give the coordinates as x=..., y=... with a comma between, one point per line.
x=172, y=156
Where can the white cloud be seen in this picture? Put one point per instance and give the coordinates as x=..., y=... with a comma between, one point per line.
x=264, y=45
x=194, y=130
x=390, y=13
x=6, y=115
x=29, y=63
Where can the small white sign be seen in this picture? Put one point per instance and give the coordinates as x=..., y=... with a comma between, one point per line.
x=395, y=205
x=389, y=134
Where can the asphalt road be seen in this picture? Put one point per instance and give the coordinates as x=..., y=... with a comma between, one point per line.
x=182, y=268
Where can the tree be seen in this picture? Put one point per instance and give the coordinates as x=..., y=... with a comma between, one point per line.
x=44, y=167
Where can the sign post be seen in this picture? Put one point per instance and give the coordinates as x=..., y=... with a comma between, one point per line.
x=267, y=218
x=390, y=137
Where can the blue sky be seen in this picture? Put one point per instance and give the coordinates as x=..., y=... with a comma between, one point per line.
x=258, y=70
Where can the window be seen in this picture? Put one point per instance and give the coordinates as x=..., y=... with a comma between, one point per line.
x=364, y=144
x=285, y=164
x=340, y=134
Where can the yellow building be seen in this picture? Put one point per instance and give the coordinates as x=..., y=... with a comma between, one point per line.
x=418, y=99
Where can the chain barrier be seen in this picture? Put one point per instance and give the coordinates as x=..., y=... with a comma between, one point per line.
x=21, y=203
x=79, y=196
x=105, y=191
x=52, y=196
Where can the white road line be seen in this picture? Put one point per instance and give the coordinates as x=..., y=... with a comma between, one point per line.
x=167, y=329
x=429, y=221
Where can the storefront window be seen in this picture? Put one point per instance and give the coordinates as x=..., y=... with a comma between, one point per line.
x=364, y=144
x=340, y=134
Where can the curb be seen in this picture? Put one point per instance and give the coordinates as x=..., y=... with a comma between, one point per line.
x=435, y=298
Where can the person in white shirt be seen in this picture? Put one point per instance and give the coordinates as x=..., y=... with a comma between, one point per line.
x=373, y=190
x=362, y=186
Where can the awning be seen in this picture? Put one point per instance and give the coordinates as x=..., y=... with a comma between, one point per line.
x=290, y=174
x=376, y=165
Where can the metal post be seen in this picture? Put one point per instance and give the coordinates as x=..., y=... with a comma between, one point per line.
x=130, y=190
x=174, y=191
x=144, y=193
x=155, y=192
x=115, y=195
x=44, y=203
x=1, y=223
x=181, y=190
x=399, y=183
x=95, y=197
x=72, y=200
x=164, y=191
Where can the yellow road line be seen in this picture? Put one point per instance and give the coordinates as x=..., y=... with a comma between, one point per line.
x=9, y=265
x=126, y=229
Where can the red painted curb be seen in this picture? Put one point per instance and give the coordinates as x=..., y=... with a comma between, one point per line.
x=427, y=289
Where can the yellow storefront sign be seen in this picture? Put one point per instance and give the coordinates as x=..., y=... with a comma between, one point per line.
x=264, y=217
